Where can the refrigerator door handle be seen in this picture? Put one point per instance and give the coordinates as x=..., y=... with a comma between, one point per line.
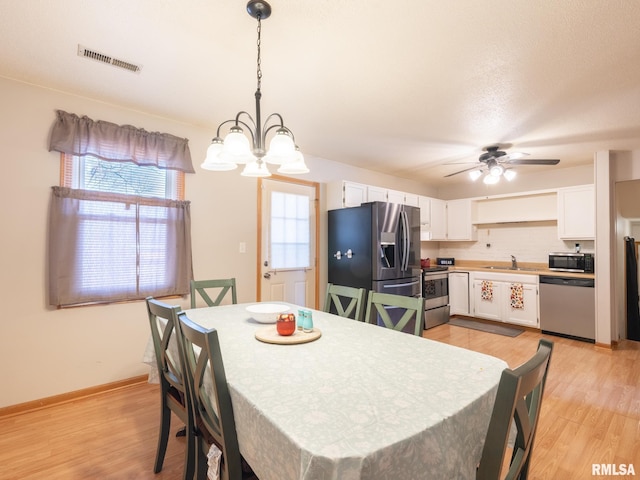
x=394, y=285
x=406, y=243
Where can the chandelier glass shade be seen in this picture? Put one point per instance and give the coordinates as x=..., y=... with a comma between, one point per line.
x=239, y=149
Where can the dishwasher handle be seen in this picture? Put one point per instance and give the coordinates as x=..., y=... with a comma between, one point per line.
x=567, y=281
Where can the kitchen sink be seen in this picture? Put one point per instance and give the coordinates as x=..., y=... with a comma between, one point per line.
x=516, y=269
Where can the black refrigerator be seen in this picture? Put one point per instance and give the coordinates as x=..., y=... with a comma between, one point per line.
x=375, y=246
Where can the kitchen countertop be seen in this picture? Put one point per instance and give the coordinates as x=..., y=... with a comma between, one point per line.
x=531, y=268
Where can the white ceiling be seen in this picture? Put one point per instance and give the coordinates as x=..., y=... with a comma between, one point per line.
x=400, y=87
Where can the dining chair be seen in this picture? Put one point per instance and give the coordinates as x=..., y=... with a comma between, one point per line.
x=201, y=286
x=518, y=403
x=380, y=304
x=210, y=401
x=163, y=319
x=347, y=302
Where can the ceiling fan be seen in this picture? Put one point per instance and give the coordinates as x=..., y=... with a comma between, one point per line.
x=497, y=163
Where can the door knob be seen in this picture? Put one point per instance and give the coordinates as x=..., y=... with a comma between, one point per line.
x=267, y=275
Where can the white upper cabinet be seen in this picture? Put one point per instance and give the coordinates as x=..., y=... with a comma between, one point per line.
x=438, y=209
x=354, y=194
x=576, y=213
x=345, y=194
x=393, y=196
x=451, y=220
x=424, y=203
x=459, y=225
x=411, y=199
x=376, y=194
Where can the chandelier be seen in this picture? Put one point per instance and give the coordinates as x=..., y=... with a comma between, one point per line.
x=237, y=148
x=493, y=173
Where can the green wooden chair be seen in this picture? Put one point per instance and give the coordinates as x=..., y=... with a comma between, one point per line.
x=380, y=305
x=201, y=286
x=347, y=302
x=210, y=401
x=518, y=403
x=163, y=319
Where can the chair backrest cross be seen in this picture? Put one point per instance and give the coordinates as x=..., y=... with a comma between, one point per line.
x=518, y=403
x=402, y=309
x=201, y=286
x=345, y=301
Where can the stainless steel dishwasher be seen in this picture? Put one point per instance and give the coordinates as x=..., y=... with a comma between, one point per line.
x=567, y=307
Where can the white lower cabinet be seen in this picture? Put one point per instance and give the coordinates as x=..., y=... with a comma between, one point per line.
x=488, y=299
x=459, y=293
x=506, y=298
x=527, y=313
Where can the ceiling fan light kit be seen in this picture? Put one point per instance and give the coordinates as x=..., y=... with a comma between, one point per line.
x=237, y=148
x=495, y=163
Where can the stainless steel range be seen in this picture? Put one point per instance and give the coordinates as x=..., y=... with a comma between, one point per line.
x=435, y=290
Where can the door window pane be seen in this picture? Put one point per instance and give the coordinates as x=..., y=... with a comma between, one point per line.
x=289, y=231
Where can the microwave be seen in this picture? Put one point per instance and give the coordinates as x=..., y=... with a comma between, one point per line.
x=572, y=262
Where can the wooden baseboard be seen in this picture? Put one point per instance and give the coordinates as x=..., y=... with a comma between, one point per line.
x=69, y=397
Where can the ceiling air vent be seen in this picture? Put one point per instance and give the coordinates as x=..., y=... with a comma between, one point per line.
x=101, y=57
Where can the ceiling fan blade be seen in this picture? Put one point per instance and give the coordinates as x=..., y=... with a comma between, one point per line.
x=533, y=161
x=476, y=167
x=515, y=155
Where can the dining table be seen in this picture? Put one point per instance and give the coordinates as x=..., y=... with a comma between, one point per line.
x=359, y=402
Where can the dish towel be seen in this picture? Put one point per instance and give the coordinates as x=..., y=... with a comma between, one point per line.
x=213, y=460
x=486, y=290
x=517, y=296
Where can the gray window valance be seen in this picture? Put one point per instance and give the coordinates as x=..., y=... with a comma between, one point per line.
x=80, y=136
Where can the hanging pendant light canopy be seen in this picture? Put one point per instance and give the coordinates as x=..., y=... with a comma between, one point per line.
x=238, y=148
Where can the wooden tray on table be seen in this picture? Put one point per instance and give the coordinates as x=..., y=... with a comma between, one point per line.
x=270, y=335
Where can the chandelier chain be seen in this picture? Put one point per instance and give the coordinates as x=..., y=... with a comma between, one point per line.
x=259, y=68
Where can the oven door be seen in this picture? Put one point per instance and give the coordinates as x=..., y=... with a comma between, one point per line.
x=435, y=289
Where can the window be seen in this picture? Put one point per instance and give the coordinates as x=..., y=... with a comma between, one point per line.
x=90, y=173
x=289, y=231
x=118, y=231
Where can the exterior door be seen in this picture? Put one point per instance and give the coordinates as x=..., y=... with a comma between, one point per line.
x=288, y=253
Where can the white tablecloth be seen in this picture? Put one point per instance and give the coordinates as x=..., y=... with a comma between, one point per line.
x=362, y=402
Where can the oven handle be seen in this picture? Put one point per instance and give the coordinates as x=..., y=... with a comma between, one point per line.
x=434, y=276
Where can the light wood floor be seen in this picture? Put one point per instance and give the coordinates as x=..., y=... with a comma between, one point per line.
x=590, y=414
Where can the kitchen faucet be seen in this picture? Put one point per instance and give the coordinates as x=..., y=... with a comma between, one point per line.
x=514, y=263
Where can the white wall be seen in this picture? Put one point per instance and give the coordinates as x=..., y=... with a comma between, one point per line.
x=44, y=351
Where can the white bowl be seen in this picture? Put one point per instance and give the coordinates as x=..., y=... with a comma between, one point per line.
x=266, y=312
